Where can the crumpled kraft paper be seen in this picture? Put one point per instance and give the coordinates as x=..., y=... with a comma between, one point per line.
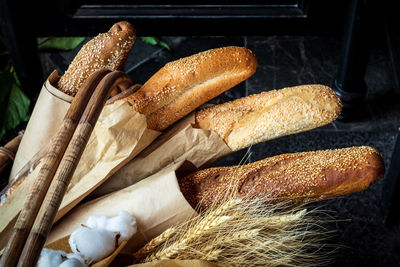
x=47, y=115
x=182, y=142
x=156, y=202
x=63, y=245
x=176, y=263
x=119, y=135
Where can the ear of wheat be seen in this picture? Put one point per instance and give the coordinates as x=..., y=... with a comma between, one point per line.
x=241, y=233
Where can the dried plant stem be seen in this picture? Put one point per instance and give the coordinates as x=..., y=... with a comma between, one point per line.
x=155, y=243
x=242, y=233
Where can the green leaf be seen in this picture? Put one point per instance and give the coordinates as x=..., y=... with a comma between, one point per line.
x=14, y=103
x=59, y=43
x=155, y=41
x=164, y=45
x=149, y=40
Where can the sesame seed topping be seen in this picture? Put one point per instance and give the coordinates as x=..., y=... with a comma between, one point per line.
x=107, y=50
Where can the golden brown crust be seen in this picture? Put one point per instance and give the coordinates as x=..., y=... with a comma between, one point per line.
x=261, y=117
x=182, y=85
x=297, y=177
x=107, y=50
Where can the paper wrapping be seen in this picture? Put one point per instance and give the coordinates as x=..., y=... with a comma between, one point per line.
x=119, y=135
x=47, y=116
x=156, y=202
x=176, y=263
x=182, y=142
x=63, y=245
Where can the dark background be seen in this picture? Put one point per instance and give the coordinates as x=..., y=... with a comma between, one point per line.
x=296, y=42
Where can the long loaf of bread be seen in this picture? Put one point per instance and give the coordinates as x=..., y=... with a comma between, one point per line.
x=107, y=50
x=261, y=117
x=257, y=118
x=183, y=85
x=296, y=177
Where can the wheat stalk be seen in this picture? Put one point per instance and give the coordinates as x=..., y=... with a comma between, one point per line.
x=196, y=229
x=154, y=243
x=241, y=233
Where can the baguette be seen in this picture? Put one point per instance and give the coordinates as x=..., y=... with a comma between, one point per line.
x=296, y=177
x=107, y=50
x=185, y=84
x=261, y=117
x=221, y=119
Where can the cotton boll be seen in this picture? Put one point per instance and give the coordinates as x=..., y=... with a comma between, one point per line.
x=97, y=221
x=51, y=258
x=123, y=223
x=77, y=257
x=73, y=260
x=71, y=263
x=93, y=244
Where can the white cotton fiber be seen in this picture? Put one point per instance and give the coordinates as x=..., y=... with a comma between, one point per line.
x=73, y=260
x=97, y=221
x=100, y=236
x=51, y=258
x=123, y=223
x=93, y=244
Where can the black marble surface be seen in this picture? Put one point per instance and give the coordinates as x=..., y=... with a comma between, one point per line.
x=359, y=232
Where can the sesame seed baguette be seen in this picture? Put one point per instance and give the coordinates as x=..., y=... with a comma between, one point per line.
x=107, y=50
x=261, y=117
x=183, y=85
x=297, y=177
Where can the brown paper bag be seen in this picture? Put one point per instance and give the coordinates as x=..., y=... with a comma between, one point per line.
x=63, y=245
x=156, y=202
x=182, y=142
x=46, y=119
x=176, y=263
x=119, y=135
